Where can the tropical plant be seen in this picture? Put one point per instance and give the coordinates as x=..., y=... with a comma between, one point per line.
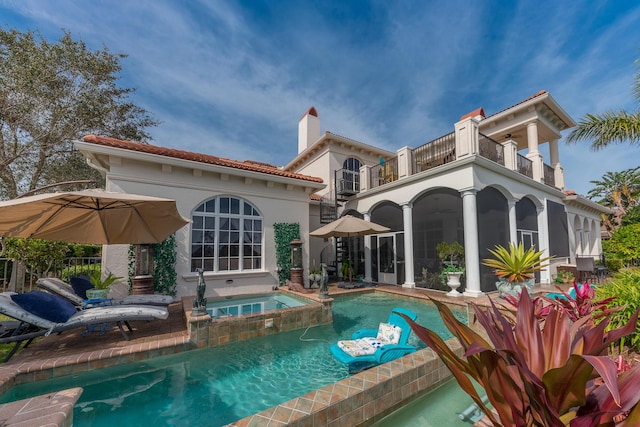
x=625, y=286
x=95, y=277
x=450, y=253
x=632, y=216
x=536, y=373
x=346, y=269
x=53, y=93
x=516, y=264
x=624, y=244
x=314, y=269
x=610, y=127
x=619, y=191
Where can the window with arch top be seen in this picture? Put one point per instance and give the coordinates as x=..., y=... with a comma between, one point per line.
x=226, y=235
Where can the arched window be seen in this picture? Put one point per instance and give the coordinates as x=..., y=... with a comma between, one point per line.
x=226, y=235
x=351, y=174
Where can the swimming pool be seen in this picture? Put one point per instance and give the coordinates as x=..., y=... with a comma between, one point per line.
x=241, y=306
x=219, y=385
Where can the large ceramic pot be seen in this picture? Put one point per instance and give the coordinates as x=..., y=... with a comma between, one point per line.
x=453, y=281
x=514, y=288
x=97, y=294
x=315, y=280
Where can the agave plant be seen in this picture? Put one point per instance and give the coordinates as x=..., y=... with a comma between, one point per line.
x=551, y=373
x=516, y=264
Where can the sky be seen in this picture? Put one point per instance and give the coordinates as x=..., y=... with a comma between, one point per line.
x=233, y=78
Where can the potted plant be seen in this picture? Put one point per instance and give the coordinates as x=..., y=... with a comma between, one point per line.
x=564, y=276
x=315, y=276
x=452, y=255
x=515, y=267
x=100, y=286
x=346, y=269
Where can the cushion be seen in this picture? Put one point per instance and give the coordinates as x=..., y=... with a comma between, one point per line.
x=45, y=305
x=388, y=333
x=81, y=285
x=359, y=347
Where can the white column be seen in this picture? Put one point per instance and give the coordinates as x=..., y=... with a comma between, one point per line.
x=407, y=221
x=554, y=156
x=471, y=251
x=543, y=242
x=513, y=222
x=533, y=153
x=532, y=137
x=367, y=254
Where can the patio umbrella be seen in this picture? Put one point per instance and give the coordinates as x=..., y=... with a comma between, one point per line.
x=91, y=217
x=349, y=226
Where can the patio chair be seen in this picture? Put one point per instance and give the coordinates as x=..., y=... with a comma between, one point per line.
x=371, y=347
x=59, y=287
x=40, y=313
x=586, y=269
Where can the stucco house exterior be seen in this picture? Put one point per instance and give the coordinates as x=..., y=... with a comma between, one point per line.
x=485, y=183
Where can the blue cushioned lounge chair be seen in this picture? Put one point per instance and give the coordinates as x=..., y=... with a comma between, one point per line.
x=59, y=287
x=39, y=313
x=371, y=347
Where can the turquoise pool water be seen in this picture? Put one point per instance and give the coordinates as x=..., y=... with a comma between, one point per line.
x=251, y=304
x=218, y=385
x=440, y=407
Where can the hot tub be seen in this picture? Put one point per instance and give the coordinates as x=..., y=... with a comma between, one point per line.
x=252, y=304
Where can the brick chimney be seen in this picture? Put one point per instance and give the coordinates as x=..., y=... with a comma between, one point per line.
x=308, y=129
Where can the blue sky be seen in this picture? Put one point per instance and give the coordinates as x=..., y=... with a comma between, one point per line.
x=232, y=78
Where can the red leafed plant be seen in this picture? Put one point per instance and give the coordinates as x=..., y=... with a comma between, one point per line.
x=541, y=373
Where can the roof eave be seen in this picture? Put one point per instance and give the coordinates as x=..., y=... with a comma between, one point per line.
x=90, y=150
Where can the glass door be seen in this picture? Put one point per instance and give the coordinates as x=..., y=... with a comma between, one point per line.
x=387, y=272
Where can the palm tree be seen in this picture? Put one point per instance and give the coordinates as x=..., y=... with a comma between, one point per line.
x=619, y=191
x=610, y=127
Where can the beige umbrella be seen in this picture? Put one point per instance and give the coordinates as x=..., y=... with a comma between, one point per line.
x=91, y=217
x=349, y=226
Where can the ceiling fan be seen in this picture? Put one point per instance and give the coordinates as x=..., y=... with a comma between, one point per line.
x=438, y=211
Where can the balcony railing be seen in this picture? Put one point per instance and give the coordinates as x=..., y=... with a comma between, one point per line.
x=491, y=149
x=525, y=166
x=434, y=153
x=384, y=172
x=348, y=182
x=549, y=175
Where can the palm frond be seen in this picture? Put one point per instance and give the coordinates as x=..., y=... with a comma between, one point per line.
x=607, y=128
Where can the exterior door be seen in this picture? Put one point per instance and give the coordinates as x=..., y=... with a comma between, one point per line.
x=527, y=239
x=387, y=269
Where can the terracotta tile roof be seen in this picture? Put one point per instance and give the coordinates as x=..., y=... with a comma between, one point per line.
x=480, y=111
x=311, y=111
x=197, y=157
x=475, y=113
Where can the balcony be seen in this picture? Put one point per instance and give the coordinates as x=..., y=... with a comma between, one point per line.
x=347, y=182
x=442, y=151
x=434, y=153
x=384, y=173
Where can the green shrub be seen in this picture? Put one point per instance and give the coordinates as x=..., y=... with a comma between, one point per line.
x=625, y=286
x=79, y=270
x=614, y=264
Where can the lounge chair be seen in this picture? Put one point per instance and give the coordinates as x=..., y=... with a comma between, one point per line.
x=40, y=313
x=370, y=347
x=59, y=287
